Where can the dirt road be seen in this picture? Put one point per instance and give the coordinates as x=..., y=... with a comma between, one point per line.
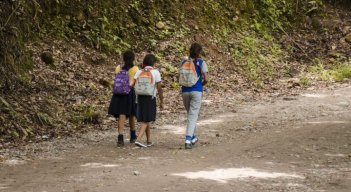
x=295, y=143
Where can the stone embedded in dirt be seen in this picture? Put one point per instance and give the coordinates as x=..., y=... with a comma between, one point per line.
x=5, y=107
x=218, y=135
x=348, y=38
x=78, y=99
x=136, y=173
x=293, y=72
x=346, y=29
x=344, y=104
x=105, y=83
x=47, y=57
x=45, y=137
x=98, y=59
x=294, y=84
x=316, y=23
x=259, y=156
x=160, y=25
x=289, y=98
x=240, y=129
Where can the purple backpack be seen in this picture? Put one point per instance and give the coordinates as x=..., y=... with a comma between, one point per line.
x=121, y=83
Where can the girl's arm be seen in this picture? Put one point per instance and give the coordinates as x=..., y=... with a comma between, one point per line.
x=160, y=94
x=204, y=78
x=132, y=83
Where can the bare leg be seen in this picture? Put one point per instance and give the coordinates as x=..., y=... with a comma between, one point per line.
x=142, y=130
x=148, y=138
x=132, y=123
x=121, y=120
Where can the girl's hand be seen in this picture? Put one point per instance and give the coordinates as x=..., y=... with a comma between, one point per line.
x=204, y=82
x=132, y=83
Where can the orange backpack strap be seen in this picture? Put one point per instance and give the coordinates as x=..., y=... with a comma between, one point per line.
x=189, y=65
x=146, y=74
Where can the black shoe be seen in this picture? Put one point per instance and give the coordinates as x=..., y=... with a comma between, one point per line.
x=133, y=137
x=188, y=146
x=120, y=141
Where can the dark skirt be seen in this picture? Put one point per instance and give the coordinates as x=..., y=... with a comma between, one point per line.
x=146, y=108
x=123, y=105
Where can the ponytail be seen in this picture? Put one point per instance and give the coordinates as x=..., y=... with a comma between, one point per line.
x=128, y=58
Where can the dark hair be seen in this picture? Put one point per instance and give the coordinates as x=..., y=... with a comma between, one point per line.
x=128, y=58
x=195, y=50
x=149, y=60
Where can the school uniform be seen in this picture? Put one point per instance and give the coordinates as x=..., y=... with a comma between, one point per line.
x=124, y=104
x=146, y=104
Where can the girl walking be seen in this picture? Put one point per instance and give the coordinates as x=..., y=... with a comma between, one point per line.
x=193, y=76
x=123, y=105
x=147, y=83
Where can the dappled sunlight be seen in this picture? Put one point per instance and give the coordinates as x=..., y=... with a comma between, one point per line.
x=180, y=129
x=217, y=119
x=329, y=122
x=228, y=115
x=210, y=121
x=175, y=129
x=3, y=186
x=14, y=162
x=223, y=175
x=334, y=155
x=313, y=95
x=99, y=165
x=144, y=158
x=207, y=101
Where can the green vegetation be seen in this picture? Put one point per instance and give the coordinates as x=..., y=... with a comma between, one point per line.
x=304, y=81
x=90, y=116
x=257, y=56
x=113, y=26
x=336, y=72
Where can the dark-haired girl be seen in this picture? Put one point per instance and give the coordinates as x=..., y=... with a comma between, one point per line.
x=192, y=96
x=124, y=106
x=146, y=104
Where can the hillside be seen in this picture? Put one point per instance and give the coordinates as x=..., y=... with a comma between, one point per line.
x=58, y=57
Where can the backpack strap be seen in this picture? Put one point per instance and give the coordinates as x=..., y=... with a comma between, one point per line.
x=189, y=64
x=146, y=73
x=198, y=63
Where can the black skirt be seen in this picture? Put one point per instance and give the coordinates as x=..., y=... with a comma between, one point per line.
x=123, y=105
x=146, y=108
